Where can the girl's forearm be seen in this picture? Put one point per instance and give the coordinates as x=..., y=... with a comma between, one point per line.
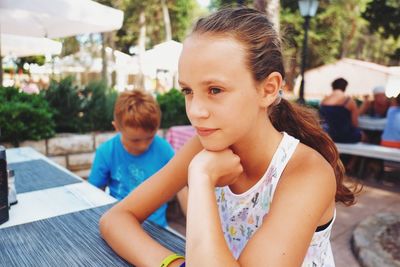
x=126, y=236
x=205, y=242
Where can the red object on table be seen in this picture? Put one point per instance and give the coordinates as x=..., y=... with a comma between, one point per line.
x=177, y=136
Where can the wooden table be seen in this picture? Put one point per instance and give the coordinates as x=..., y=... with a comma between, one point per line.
x=58, y=226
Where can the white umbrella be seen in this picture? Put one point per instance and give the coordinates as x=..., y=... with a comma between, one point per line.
x=57, y=18
x=164, y=56
x=362, y=77
x=21, y=46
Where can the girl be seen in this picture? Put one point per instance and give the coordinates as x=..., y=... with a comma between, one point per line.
x=257, y=196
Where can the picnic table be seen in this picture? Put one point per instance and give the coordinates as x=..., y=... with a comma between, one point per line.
x=371, y=123
x=177, y=136
x=55, y=222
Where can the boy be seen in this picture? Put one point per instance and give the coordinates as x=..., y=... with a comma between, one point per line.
x=136, y=152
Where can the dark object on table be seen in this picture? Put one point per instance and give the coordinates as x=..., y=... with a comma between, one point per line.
x=4, y=216
x=12, y=193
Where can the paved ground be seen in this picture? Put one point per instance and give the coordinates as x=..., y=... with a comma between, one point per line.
x=375, y=197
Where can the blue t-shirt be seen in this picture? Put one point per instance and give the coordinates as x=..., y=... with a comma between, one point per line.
x=122, y=172
x=392, y=127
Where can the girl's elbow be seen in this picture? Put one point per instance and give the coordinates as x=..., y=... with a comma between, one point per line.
x=104, y=223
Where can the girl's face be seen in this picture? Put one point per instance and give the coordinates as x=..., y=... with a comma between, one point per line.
x=222, y=100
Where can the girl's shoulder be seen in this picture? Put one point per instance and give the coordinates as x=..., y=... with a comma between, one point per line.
x=309, y=168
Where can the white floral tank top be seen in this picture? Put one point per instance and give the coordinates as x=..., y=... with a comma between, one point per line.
x=241, y=215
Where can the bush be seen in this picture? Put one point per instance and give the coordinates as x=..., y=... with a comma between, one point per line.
x=98, y=106
x=24, y=116
x=65, y=98
x=313, y=104
x=172, y=105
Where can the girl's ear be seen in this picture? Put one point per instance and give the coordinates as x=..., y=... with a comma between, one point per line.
x=115, y=126
x=269, y=89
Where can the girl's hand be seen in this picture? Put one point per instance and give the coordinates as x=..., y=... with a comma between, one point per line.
x=220, y=167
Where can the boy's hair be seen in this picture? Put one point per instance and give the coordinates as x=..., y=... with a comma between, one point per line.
x=340, y=84
x=137, y=109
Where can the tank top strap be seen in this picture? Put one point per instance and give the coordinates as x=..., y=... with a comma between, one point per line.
x=346, y=101
x=281, y=158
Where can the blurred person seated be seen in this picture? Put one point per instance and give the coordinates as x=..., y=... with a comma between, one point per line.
x=377, y=107
x=135, y=153
x=391, y=133
x=340, y=114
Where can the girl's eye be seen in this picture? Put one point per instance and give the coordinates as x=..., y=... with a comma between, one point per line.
x=215, y=90
x=186, y=91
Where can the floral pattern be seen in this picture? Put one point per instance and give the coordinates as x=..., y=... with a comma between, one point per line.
x=241, y=215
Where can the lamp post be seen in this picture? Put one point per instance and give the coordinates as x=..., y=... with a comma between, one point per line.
x=308, y=8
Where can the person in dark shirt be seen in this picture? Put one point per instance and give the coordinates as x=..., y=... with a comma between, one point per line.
x=340, y=115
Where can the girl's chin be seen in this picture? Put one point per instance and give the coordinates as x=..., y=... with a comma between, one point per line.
x=213, y=147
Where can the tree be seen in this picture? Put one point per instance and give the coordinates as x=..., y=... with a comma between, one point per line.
x=384, y=17
x=167, y=21
x=271, y=8
x=216, y=4
x=181, y=13
x=20, y=62
x=70, y=46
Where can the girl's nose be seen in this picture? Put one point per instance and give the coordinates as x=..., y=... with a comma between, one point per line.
x=196, y=108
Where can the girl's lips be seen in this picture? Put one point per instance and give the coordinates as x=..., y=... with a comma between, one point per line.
x=205, y=131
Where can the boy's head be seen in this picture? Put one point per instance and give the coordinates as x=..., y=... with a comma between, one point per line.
x=137, y=116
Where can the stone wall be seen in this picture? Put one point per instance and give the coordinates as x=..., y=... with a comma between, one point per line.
x=72, y=151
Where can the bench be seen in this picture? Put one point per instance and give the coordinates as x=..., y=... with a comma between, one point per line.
x=370, y=151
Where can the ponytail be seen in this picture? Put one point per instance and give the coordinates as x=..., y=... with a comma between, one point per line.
x=303, y=124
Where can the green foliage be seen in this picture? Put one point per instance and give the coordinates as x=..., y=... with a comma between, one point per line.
x=70, y=46
x=181, y=13
x=98, y=106
x=384, y=17
x=81, y=110
x=313, y=104
x=65, y=98
x=172, y=105
x=40, y=60
x=216, y=4
x=24, y=116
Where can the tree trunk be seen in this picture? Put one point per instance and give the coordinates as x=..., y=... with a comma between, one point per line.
x=271, y=8
x=104, y=69
x=142, y=48
x=354, y=27
x=167, y=21
x=291, y=70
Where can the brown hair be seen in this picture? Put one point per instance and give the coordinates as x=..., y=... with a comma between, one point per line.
x=264, y=56
x=137, y=109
